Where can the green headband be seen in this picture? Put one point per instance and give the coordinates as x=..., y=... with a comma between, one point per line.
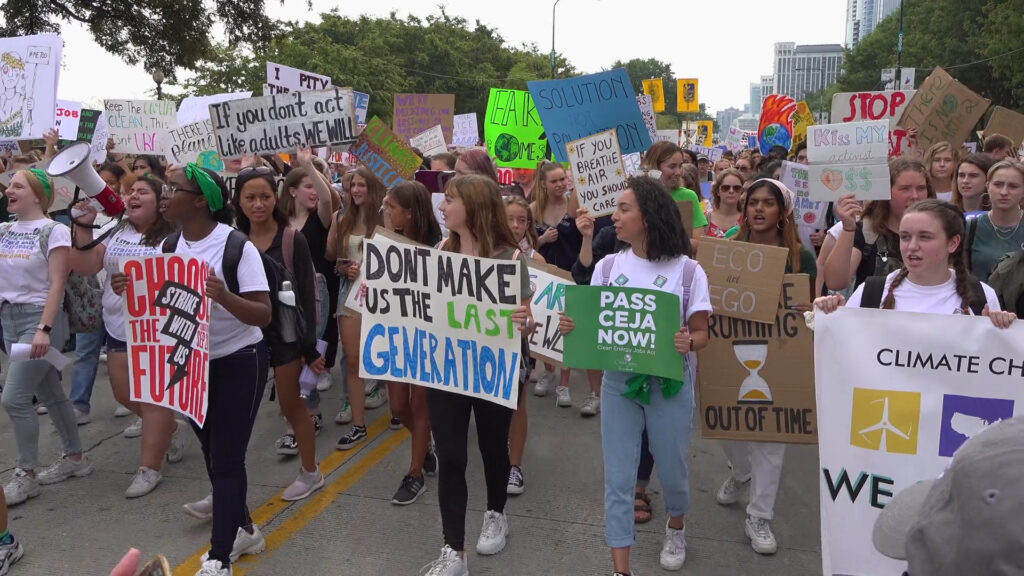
x=44, y=180
x=210, y=189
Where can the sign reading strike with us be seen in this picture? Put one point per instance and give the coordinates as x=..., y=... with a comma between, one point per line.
x=168, y=333
x=441, y=320
x=596, y=163
x=849, y=158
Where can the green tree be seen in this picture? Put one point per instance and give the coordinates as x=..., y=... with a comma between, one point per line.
x=160, y=34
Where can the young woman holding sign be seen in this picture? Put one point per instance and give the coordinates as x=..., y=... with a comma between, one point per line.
x=934, y=278
x=656, y=258
x=998, y=232
x=409, y=212
x=969, y=190
x=767, y=220
x=265, y=224
x=198, y=203
x=140, y=235
x=360, y=216
x=33, y=270
x=941, y=160
x=476, y=219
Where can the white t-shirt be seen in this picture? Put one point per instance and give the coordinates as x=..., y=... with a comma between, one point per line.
x=945, y=196
x=24, y=270
x=666, y=275
x=941, y=299
x=124, y=244
x=227, y=333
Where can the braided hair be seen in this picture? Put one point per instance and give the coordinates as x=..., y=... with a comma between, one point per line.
x=952, y=220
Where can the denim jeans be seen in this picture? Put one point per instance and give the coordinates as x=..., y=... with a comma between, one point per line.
x=39, y=378
x=87, y=359
x=669, y=422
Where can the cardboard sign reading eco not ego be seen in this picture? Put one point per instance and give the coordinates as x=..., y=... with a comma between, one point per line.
x=135, y=124
x=632, y=331
x=548, y=284
x=596, y=164
x=512, y=129
x=757, y=380
x=168, y=332
x=574, y=108
x=441, y=320
x=415, y=113
x=942, y=110
x=385, y=153
x=744, y=279
x=850, y=158
x=280, y=122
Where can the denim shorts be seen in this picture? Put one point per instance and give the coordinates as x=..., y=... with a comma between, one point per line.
x=115, y=345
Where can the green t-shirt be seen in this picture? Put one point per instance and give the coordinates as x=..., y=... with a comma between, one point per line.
x=699, y=219
x=989, y=247
x=808, y=263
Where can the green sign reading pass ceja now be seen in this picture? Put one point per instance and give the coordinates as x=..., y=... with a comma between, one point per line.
x=623, y=329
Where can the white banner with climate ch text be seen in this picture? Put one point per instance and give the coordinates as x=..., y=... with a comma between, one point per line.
x=897, y=395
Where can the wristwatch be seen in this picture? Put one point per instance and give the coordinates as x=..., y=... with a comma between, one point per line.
x=44, y=328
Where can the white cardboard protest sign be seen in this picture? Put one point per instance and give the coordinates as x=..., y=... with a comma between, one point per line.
x=646, y=105
x=713, y=154
x=668, y=136
x=280, y=122
x=440, y=319
x=430, y=142
x=66, y=117
x=896, y=397
x=735, y=139
x=465, y=131
x=192, y=143
x=282, y=79
x=864, y=106
x=362, y=105
x=135, y=124
x=31, y=70
x=807, y=212
x=98, y=146
x=849, y=158
x=600, y=178
x=548, y=284
x=196, y=108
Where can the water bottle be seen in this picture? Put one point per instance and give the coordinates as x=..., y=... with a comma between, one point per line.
x=307, y=379
x=288, y=313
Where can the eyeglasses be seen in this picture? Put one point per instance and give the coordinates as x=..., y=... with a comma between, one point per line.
x=743, y=168
x=728, y=188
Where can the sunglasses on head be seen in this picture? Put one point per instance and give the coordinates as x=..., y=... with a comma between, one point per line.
x=258, y=170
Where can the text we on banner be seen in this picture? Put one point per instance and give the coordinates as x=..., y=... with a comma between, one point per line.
x=756, y=379
x=168, y=330
x=440, y=319
x=898, y=393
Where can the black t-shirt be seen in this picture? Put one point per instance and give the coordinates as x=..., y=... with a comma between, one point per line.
x=878, y=258
x=564, y=251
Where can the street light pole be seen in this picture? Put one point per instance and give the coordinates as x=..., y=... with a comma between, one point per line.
x=899, y=53
x=158, y=77
x=553, y=6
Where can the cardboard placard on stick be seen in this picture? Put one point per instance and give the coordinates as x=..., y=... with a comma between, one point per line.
x=942, y=110
x=548, y=283
x=596, y=163
x=757, y=380
x=647, y=111
x=415, y=113
x=168, y=330
x=655, y=88
x=383, y=152
x=280, y=122
x=849, y=158
x=1006, y=122
x=744, y=279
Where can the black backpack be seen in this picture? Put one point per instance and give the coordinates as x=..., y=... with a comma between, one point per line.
x=874, y=286
x=282, y=315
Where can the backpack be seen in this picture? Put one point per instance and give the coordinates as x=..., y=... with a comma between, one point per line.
x=1008, y=281
x=287, y=324
x=83, y=295
x=320, y=286
x=875, y=286
x=876, y=260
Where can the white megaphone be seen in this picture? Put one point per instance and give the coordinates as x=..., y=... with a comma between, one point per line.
x=73, y=163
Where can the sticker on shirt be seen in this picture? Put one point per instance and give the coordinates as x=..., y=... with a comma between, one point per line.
x=19, y=245
x=621, y=280
x=660, y=281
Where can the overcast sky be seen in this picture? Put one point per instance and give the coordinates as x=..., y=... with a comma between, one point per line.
x=727, y=45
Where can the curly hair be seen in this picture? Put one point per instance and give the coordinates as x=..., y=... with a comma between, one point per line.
x=665, y=237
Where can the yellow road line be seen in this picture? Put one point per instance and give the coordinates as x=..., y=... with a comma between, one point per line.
x=275, y=504
x=321, y=501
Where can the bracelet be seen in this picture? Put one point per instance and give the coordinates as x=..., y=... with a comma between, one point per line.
x=845, y=229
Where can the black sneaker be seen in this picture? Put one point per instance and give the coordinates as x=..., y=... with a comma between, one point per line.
x=318, y=423
x=354, y=436
x=430, y=463
x=287, y=445
x=409, y=491
x=515, y=481
x=395, y=424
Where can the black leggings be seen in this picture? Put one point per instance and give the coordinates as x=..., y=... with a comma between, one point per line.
x=236, y=385
x=449, y=420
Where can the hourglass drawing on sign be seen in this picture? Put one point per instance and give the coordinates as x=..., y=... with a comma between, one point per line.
x=752, y=354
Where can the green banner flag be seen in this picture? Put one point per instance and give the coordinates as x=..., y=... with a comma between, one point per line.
x=512, y=129
x=632, y=331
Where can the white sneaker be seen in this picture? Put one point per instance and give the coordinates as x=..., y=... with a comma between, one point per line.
x=730, y=491
x=544, y=384
x=591, y=406
x=245, y=543
x=344, y=415
x=202, y=509
x=213, y=568
x=20, y=488
x=673, y=551
x=146, y=480
x=762, y=540
x=42, y=410
x=492, y=534
x=63, y=469
x=377, y=398
x=368, y=385
x=176, y=451
x=304, y=485
x=562, y=397
x=324, y=381
x=449, y=564
x=135, y=430
x=82, y=418
x=10, y=553
x=121, y=412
